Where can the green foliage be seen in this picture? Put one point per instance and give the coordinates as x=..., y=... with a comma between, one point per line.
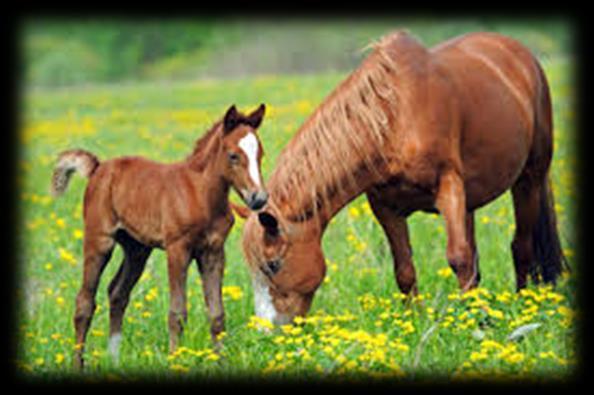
x=104, y=50
x=73, y=51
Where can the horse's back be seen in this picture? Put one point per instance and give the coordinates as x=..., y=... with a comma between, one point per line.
x=499, y=87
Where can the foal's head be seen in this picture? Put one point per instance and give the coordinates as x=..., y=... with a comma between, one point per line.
x=241, y=155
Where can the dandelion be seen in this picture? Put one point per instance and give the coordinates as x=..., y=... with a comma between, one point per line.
x=77, y=234
x=59, y=358
x=354, y=212
x=151, y=295
x=67, y=256
x=445, y=272
x=48, y=266
x=233, y=291
x=259, y=323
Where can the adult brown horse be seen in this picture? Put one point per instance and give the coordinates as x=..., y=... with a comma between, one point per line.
x=447, y=130
x=182, y=208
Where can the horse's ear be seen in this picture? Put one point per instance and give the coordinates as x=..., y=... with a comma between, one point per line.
x=269, y=222
x=231, y=119
x=255, y=118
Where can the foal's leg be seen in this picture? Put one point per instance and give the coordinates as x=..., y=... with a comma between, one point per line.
x=120, y=287
x=472, y=241
x=526, y=197
x=97, y=251
x=451, y=202
x=211, y=264
x=178, y=258
x=396, y=231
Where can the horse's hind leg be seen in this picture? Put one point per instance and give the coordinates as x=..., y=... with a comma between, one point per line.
x=211, y=264
x=97, y=251
x=526, y=197
x=396, y=231
x=135, y=257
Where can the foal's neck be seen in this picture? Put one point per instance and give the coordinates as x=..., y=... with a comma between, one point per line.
x=205, y=164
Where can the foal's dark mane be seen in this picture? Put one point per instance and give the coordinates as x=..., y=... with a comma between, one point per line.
x=202, y=141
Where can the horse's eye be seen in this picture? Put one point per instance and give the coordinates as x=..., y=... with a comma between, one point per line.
x=271, y=267
x=233, y=158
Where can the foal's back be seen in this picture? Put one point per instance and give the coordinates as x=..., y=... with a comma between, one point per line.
x=145, y=196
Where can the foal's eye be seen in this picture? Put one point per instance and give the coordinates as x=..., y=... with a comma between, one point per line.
x=271, y=267
x=233, y=158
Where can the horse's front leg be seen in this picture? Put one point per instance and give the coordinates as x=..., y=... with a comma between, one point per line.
x=451, y=202
x=396, y=230
x=211, y=264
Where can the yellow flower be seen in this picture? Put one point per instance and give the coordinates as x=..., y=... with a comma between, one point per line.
x=445, y=272
x=39, y=361
x=77, y=234
x=67, y=256
x=59, y=358
x=151, y=295
x=259, y=323
x=478, y=356
x=233, y=291
x=354, y=212
x=60, y=223
x=48, y=266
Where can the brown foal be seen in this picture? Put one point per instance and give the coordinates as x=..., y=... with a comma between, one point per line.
x=181, y=207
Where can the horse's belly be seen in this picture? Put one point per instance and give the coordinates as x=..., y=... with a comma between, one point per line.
x=492, y=167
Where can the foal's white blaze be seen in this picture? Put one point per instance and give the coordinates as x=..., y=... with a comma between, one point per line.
x=249, y=145
x=263, y=301
x=114, y=346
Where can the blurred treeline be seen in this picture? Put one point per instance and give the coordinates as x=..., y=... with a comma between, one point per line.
x=59, y=52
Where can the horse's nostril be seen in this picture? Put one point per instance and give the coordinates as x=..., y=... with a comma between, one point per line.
x=257, y=200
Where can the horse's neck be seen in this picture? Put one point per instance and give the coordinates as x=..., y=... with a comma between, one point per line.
x=321, y=213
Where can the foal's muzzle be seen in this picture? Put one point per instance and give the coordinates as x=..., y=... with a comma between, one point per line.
x=257, y=200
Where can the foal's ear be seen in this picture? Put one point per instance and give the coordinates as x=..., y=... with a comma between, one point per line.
x=231, y=119
x=269, y=222
x=255, y=118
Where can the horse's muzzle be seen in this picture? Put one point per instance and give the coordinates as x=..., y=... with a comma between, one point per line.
x=257, y=200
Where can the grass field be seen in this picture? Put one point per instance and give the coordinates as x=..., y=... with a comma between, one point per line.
x=357, y=326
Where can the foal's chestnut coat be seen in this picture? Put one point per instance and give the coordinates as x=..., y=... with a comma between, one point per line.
x=182, y=208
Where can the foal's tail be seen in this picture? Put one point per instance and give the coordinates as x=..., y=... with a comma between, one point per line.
x=545, y=239
x=69, y=161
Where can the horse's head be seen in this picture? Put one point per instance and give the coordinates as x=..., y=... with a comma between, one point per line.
x=286, y=262
x=242, y=154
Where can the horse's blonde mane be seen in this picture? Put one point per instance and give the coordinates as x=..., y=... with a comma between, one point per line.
x=344, y=135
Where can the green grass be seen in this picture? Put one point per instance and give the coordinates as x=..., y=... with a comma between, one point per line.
x=362, y=328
